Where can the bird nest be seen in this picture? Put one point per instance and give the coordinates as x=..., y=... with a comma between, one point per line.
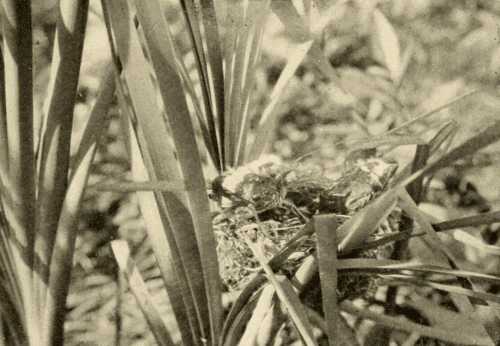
x=270, y=202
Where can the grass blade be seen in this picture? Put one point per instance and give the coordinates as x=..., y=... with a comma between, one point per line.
x=326, y=229
x=422, y=116
x=140, y=291
x=4, y=142
x=391, y=141
x=135, y=186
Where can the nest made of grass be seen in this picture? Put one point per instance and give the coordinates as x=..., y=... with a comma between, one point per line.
x=270, y=202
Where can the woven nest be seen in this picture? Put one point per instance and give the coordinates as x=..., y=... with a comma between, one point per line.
x=270, y=202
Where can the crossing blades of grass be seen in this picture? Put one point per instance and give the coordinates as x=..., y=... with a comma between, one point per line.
x=64, y=242
x=160, y=46
x=257, y=18
x=140, y=291
x=381, y=266
x=444, y=135
x=288, y=297
x=482, y=139
x=422, y=116
x=446, y=319
x=455, y=335
x=239, y=316
x=437, y=244
x=477, y=142
x=159, y=228
x=20, y=207
x=242, y=48
x=166, y=250
x=55, y=143
x=356, y=230
x=398, y=280
x=199, y=21
x=241, y=304
x=265, y=306
x=187, y=213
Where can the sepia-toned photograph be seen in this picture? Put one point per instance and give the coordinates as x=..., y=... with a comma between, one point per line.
x=249, y=172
